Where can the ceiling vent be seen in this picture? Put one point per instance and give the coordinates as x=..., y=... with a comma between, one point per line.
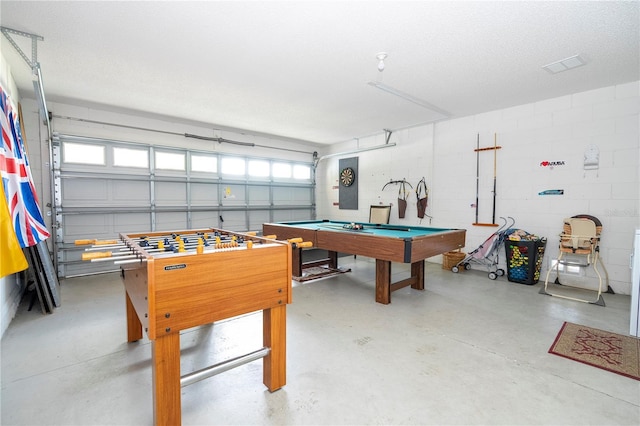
x=564, y=64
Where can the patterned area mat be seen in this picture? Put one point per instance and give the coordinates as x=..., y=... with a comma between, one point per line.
x=602, y=349
x=319, y=272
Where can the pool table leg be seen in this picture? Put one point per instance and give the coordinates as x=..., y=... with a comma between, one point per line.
x=384, y=287
x=296, y=262
x=383, y=281
x=417, y=272
x=333, y=259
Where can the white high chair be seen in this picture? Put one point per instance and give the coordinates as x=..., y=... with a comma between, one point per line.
x=580, y=238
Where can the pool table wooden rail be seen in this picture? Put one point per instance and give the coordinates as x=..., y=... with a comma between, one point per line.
x=391, y=249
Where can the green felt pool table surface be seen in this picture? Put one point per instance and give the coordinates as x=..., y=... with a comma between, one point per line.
x=390, y=231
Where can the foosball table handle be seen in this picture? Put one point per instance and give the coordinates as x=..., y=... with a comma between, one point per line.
x=95, y=255
x=95, y=242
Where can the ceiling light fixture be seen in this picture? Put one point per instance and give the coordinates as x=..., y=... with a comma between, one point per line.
x=381, y=57
x=565, y=64
x=378, y=85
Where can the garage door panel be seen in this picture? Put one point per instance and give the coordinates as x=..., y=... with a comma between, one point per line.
x=87, y=192
x=204, y=194
x=87, y=226
x=171, y=221
x=131, y=192
x=234, y=195
x=291, y=196
x=103, y=226
x=259, y=195
x=79, y=191
x=234, y=221
x=131, y=222
x=208, y=219
x=257, y=218
x=170, y=193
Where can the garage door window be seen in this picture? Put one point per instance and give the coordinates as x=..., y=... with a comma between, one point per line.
x=83, y=153
x=127, y=157
x=170, y=161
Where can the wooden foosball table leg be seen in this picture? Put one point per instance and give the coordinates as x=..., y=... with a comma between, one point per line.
x=166, y=380
x=134, y=326
x=274, y=325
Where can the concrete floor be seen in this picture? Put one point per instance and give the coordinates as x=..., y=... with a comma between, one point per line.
x=467, y=350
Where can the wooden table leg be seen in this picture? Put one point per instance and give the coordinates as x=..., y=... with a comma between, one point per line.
x=166, y=380
x=417, y=271
x=383, y=281
x=296, y=262
x=274, y=329
x=333, y=259
x=134, y=326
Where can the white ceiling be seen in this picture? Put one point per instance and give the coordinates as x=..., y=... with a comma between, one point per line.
x=299, y=69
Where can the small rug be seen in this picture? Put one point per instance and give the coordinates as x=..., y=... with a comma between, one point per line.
x=319, y=272
x=610, y=351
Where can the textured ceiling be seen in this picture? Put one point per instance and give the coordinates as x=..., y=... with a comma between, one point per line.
x=300, y=69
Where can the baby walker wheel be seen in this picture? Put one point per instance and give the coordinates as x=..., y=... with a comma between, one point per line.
x=467, y=266
x=455, y=269
x=492, y=275
x=500, y=272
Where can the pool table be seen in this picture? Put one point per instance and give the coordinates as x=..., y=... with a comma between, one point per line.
x=385, y=243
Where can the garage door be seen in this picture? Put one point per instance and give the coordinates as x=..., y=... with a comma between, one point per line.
x=107, y=187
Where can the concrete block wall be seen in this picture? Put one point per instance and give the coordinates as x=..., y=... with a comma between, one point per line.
x=543, y=146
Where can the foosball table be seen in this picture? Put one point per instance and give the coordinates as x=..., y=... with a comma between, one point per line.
x=178, y=280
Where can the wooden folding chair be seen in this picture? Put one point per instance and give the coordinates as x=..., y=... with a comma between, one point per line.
x=379, y=214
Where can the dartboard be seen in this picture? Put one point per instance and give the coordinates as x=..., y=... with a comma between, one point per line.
x=347, y=176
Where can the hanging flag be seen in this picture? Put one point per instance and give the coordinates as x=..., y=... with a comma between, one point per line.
x=12, y=259
x=18, y=185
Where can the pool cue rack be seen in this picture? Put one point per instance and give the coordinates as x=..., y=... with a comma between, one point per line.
x=495, y=149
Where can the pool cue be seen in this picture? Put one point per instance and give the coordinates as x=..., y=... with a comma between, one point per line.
x=495, y=153
x=477, y=174
x=342, y=228
x=366, y=228
x=389, y=227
